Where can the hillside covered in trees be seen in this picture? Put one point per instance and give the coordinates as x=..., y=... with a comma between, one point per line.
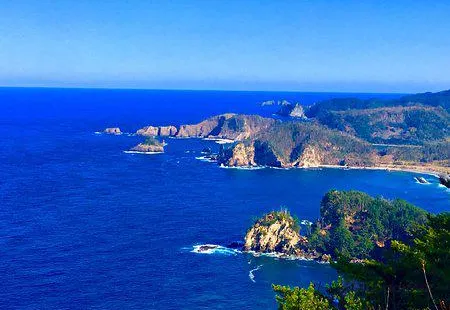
x=412, y=119
x=403, y=256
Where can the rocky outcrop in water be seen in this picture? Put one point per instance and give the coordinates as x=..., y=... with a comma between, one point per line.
x=112, y=131
x=291, y=110
x=276, y=232
x=445, y=180
x=150, y=145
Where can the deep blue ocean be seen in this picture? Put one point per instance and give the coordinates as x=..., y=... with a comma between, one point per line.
x=84, y=225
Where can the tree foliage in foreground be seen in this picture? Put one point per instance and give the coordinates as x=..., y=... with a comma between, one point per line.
x=408, y=276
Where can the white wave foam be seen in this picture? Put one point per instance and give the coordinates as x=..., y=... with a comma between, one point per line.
x=146, y=153
x=242, y=167
x=219, y=140
x=251, y=274
x=278, y=256
x=213, y=249
x=422, y=183
x=205, y=158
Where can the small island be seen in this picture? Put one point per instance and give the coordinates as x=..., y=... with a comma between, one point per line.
x=150, y=145
x=112, y=131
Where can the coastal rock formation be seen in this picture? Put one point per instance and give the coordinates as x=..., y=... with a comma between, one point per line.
x=350, y=223
x=167, y=131
x=148, y=148
x=248, y=154
x=275, y=232
x=226, y=126
x=421, y=180
x=163, y=131
x=239, y=155
x=112, y=131
x=293, y=144
x=445, y=180
x=151, y=145
x=292, y=110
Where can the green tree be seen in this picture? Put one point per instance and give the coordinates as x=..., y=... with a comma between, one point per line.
x=300, y=298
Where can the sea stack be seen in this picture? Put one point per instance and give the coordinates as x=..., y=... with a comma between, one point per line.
x=445, y=180
x=276, y=232
x=113, y=131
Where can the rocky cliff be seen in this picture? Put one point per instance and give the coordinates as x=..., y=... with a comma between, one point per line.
x=445, y=180
x=292, y=110
x=226, y=126
x=275, y=232
x=291, y=144
x=162, y=131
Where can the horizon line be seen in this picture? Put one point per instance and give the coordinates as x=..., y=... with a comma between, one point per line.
x=200, y=90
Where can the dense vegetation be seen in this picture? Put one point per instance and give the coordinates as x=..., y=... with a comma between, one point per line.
x=408, y=269
x=439, y=99
x=288, y=141
x=412, y=119
x=356, y=225
x=278, y=216
x=394, y=125
x=428, y=152
x=152, y=141
x=409, y=275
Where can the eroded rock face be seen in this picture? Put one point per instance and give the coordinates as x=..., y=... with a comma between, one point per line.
x=226, y=126
x=310, y=157
x=292, y=110
x=149, y=131
x=167, y=131
x=148, y=148
x=295, y=144
x=275, y=232
x=297, y=111
x=238, y=156
x=445, y=180
x=113, y=131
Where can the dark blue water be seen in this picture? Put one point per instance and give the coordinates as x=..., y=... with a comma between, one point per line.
x=84, y=225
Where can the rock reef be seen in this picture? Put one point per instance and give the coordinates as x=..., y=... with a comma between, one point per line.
x=112, y=131
x=445, y=180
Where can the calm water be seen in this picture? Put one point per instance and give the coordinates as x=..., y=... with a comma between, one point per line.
x=84, y=225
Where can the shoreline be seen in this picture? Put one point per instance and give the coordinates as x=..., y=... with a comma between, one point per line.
x=386, y=168
x=382, y=168
x=401, y=168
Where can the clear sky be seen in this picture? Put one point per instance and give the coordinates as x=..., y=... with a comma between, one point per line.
x=314, y=45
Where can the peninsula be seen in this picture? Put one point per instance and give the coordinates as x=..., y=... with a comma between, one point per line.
x=410, y=133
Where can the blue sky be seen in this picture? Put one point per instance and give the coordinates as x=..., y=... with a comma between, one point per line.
x=373, y=46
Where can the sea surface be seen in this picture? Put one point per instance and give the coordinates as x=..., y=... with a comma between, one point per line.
x=84, y=225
